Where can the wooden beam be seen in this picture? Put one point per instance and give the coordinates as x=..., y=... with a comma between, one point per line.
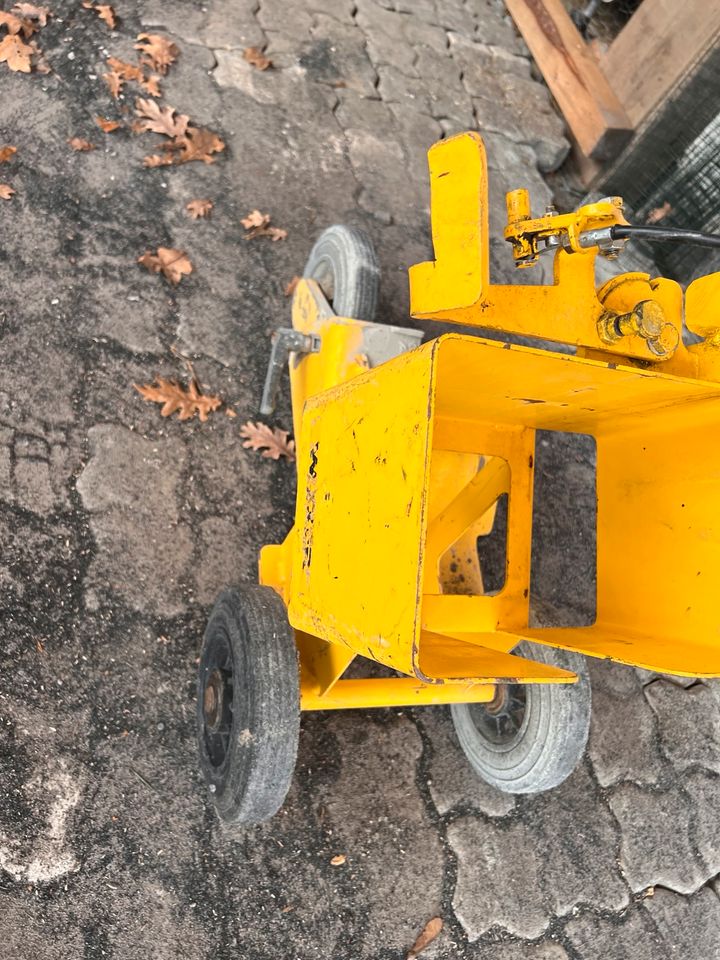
x=656, y=49
x=592, y=111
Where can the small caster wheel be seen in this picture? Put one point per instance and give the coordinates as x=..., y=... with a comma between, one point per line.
x=344, y=264
x=248, y=705
x=530, y=737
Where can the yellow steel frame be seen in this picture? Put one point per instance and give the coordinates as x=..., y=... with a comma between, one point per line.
x=400, y=465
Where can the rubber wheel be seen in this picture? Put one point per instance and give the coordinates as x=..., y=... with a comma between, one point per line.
x=248, y=705
x=531, y=736
x=344, y=264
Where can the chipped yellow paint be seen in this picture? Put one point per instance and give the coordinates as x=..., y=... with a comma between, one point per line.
x=400, y=467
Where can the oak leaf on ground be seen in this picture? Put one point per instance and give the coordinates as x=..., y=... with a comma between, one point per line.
x=258, y=225
x=115, y=83
x=173, y=264
x=428, y=933
x=157, y=119
x=151, y=85
x=107, y=126
x=156, y=160
x=6, y=191
x=174, y=397
x=290, y=287
x=128, y=71
x=30, y=12
x=14, y=24
x=199, y=208
x=82, y=146
x=16, y=53
x=6, y=153
x=273, y=442
x=338, y=860
x=107, y=14
x=198, y=144
x=256, y=58
x=156, y=51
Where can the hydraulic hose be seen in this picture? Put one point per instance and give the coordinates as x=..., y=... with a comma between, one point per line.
x=657, y=234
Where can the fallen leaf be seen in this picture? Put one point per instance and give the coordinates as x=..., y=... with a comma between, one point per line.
x=339, y=860
x=198, y=144
x=290, y=287
x=106, y=13
x=6, y=191
x=173, y=264
x=256, y=58
x=159, y=119
x=156, y=51
x=6, y=153
x=16, y=54
x=229, y=412
x=173, y=397
x=258, y=225
x=199, y=208
x=107, y=126
x=82, y=146
x=659, y=213
x=274, y=443
x=115, y=83
x=14, y=24
x=151, y=85
x=428, y=933
x=31, y=12
x=128, y=71
x=157, y=161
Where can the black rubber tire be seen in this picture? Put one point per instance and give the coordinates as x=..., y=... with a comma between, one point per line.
x=552, y=735
x=344, y=264
x=249, y=722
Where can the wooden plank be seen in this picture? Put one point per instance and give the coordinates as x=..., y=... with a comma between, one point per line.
x=592, y=111
x=656, y=49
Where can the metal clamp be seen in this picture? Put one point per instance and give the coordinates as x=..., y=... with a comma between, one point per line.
x=284, y=342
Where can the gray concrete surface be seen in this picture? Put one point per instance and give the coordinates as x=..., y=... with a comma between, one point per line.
x=117, y=528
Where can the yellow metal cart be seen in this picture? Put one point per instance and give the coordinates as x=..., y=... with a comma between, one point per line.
x=404, y=449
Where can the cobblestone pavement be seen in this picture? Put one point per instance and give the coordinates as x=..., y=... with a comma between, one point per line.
x=117, y=528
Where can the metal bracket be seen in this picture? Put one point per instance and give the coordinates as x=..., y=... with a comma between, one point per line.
x=284, y=342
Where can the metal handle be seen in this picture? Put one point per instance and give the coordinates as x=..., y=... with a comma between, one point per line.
x=284, y=342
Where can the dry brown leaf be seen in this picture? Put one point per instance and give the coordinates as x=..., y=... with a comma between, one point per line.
x=338, y=860
x=6, y=153
x=199, y=208
x=107, y=126
x=256, y=58
x=114, y=82
x=28, y=11
x=258, y=225
x=14, y=24
x=16, y=54
x=159, y=119
x=173, y=264
x=107, y=14
x=156, y=52
x=290, y=288
x=151, y=85
x=428, y=933
x=82, y=146
x=229, y=412
x=128, y=71
x=199, y=144
x=173, y=397
x=6, y=191
x=274, y=443
x=157, y=161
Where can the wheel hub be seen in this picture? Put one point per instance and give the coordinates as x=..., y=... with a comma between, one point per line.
x=501, y=719
x=213, y=699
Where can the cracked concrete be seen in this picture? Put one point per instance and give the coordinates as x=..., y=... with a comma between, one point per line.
x=118, y=527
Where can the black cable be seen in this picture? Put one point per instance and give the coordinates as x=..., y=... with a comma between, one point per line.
x=658, y=234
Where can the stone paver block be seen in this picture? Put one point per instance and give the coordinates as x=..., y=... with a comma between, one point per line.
x=232, y=25
x=657, y=843
x=383, y=28
x=447, y=96
x=480, y=63
x=287, y=18
x=546, y=950
x=408, y=93
x=689, y=723
x=623, y=741
x=379, y=166
x=630, y=937
x=547, y=861
x=417, y=133
x=688, y=925
x=703, y=789
x=337, y=56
